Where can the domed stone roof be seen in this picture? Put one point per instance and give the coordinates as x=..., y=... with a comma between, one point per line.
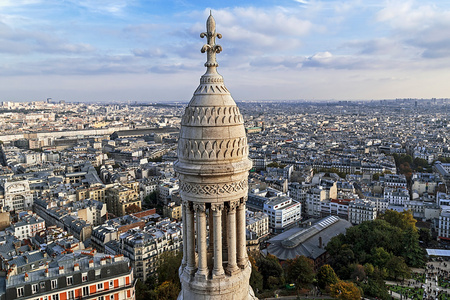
x=212, y=136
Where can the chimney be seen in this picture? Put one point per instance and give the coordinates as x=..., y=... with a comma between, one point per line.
x=91, y=263
x=61, y=270
x=26, y=277
x=46, y=272
x=320, y=242
x=76, y=267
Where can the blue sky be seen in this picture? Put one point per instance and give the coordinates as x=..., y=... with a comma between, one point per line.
x=119, y=50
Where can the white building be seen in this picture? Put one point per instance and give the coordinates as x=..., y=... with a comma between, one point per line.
x=166, y=190
x=257, y=224
x=360, y=211
x=396, y=196
x=283, y=211
x=392, y=180
x=444, y=223
x=314, y=197
x=27, y=227
x=17, y=195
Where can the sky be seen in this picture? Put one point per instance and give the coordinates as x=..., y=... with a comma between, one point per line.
x=149, y=50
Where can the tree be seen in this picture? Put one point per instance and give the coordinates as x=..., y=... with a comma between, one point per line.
x=397, y=267
x=167, y=291
x=376, y=176
x=300, y=270
x=256, y=278
x=412, y=253
x=359, y=273
x=143, y=292
x=168, y=267
x=402, y=220
x=269, y=266
x=345, y=291
x=326, y=276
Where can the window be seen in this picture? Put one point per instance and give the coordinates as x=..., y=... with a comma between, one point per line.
x=85, y=290
x=100, y=286
x=101, y=298
x=54, y=283
x=84, y=277
x=69, y=280
x=71, y=294
x=20, y=291
x=55, y=297
x=111, y=284
x=98, y=272
x=34, y=288
x=42, y=285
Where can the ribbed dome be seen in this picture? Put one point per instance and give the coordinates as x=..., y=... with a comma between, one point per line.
x=212, y=136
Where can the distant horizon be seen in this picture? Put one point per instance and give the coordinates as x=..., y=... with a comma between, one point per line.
x=350, y=50
x=134, y=102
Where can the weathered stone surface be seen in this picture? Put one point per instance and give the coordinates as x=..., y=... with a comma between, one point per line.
x=212, y=167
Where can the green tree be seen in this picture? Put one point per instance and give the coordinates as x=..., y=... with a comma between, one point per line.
x=269, y=266
x=143, y=292
x=397, y=268
x=256, y=278
x=326, y=276
x=300, y=271
x=168, y=267
x=167, y=291
x=345, y=291
x=425, y=236
x=376, y=176
x=403, y=220
x=412, y=253
x=380, y=257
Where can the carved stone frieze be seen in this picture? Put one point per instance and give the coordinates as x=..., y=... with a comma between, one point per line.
x=211, y=116
x=213, y=149
x=214, y=189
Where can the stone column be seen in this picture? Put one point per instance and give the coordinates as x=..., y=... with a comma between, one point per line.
x=190, y=238
x=202, y=270
x=217, y=232
x=232, y=267
x=183, y=213
x=241, y=239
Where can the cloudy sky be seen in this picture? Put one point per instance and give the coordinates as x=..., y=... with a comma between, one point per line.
x=149, y=50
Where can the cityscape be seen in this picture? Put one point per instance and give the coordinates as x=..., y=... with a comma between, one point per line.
x=92, y=181
x=212, y=198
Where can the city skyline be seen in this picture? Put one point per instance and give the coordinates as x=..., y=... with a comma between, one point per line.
x=287, y=50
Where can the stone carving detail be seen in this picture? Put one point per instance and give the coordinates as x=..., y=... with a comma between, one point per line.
x=232, y=205
x=199, y=207
x=213, y=149
x=214, y=189
x=213, y=116
x=210, y=89
x=217, y=207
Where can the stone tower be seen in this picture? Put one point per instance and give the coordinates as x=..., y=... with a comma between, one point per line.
x=213, y=169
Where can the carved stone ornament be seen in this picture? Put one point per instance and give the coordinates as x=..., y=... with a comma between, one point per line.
x=232, y=205
x=213, y=149
x=187, y=205
x=214, y=189
x=199, y=207
x=217, y=207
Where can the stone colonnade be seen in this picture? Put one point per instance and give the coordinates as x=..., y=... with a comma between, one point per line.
x=225, y=254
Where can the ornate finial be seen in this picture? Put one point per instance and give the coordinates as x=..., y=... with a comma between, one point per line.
x=211, y=48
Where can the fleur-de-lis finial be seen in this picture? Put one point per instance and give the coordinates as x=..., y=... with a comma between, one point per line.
x=211, y=48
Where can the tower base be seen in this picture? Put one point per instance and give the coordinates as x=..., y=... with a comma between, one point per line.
x=234, y=287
